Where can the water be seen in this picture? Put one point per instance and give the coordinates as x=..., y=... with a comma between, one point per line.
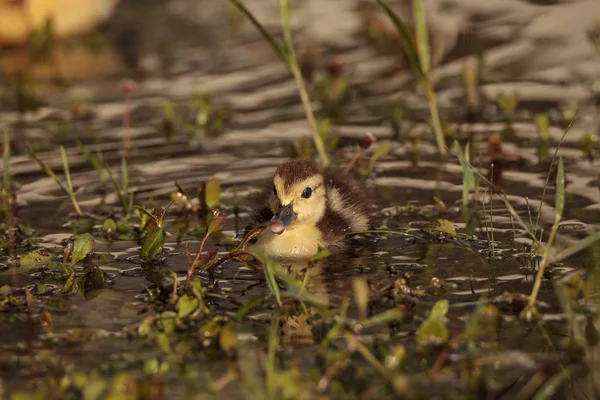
x=184, y=49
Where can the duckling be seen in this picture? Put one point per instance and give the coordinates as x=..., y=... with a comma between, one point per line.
x=69, y=17
x=309, y=209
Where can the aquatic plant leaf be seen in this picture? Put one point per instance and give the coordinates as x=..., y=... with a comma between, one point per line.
x=186, y=305
x=227, y=339
x=123, y=226
x=542, y=122
x=144, y=215
x=123, y=387
x=215, y=225
x=361, y=296
x=69, y=287
x=383, y=148
x=508, y=103
x=432, y=331
x=406, y=38
x=439, y=309
x=212, y=193
x=82, y=247
x=153, y=244
x=36, y=258
x=109, y=226
x=446, y=227
x=483, y=321
x=93, y=281
x=321, y=255
x=384, y=318
x=560, y=188
x=395, y=357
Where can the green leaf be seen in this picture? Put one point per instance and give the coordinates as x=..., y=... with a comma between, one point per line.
x=560, y=188
x=34, y=259
x=212, y=193
x=142, y=212
x=432, y=332
x=65, y=163
x=468, y=177
x=406, y=39
x=446, y=227
x=124, y=175
x=215, y=225
x=123, y=226
x=361, y=296
x=271, y=280
x=421, y=35
x=69, y=286
x=109, y=226
x=542, y=122
x=581, y=245
x=186, y=305
x=227, y=339
x=82, y=247
x=153, y=244
x=277, y=48
x=439, y=309
x=383, y=148
x=383, y=318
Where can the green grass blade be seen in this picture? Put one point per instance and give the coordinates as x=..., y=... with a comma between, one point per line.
x=271, y=280
x=124, y=175
x=509, y=207
x=65, y=164
x=96, y=162
x=407, y=40
x=537, y=222
x=421, y=35
x=277, y=48
x=581, y=245
x=294, y=68
x=45, y=168
x=70, y=192
x=117, y=188
x=560, y=188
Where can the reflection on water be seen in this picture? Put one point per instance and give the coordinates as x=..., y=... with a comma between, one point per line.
x=184, y=49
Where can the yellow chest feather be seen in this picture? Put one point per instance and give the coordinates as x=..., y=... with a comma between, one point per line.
x=300, y=242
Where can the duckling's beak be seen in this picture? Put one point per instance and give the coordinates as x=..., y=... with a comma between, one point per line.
x=282, y=219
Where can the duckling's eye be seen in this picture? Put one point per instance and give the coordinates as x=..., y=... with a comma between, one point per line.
x=306, y=193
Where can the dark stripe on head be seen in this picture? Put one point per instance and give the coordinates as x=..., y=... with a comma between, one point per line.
x=297, y=170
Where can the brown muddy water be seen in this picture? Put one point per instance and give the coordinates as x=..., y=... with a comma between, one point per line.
x=120, y=336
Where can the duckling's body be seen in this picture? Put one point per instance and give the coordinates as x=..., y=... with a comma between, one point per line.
x=310, y=209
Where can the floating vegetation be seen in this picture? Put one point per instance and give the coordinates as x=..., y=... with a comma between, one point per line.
x=478, y=277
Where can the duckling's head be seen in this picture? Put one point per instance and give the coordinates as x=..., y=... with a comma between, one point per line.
x=299, y=195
